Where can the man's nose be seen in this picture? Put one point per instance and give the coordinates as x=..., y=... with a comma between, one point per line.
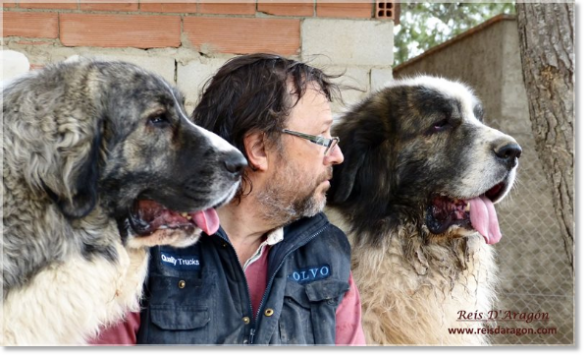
x=335, y=156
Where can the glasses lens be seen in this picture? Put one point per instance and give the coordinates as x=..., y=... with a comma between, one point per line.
x=333, y=143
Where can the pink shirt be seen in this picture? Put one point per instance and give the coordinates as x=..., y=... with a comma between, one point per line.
x=348, y=315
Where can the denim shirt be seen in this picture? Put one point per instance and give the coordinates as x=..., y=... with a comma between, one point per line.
x=199, y=294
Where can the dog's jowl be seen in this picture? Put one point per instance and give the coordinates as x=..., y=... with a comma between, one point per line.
x=100, y=162
x=416, y=195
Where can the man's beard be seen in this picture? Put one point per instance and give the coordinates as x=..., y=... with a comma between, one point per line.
x=284, y=201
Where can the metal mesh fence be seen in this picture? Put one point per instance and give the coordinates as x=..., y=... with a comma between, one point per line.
x=535, y=272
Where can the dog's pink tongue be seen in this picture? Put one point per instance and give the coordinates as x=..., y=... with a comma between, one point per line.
x=208, y=220
x=484, y=219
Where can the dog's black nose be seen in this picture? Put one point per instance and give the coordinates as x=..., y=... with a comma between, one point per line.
x=508, y=152
x=235, y=162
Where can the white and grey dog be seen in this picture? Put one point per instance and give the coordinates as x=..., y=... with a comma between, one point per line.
x=416, y=195
x=100, y=162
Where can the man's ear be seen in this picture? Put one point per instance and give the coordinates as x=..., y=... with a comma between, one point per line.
x=256, y=151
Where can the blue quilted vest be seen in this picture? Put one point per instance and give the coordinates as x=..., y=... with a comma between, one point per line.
x=199, y=294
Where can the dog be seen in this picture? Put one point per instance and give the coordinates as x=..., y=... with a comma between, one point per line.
x=100, y=162
x=416, y=195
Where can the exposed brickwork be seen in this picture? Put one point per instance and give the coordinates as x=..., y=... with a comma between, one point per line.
x=243, y=35
x=212, y=26
x=105, y=30
x=327, y=8
x=241, y=7
x=108, y=5
x=65, y=4
x=387, y=10
x=168, y=7
x=286, y=9
x=35, y=66
x=31, y=24
x=9, y=3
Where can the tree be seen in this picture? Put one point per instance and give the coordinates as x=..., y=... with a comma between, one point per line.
x=546, y=33
x=425, y=25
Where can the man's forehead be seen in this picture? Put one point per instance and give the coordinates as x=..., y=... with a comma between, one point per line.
x=304, y=87
x=312, y=113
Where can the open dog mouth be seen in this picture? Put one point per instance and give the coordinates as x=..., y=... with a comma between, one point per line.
x=477, y=213
x=147, y=216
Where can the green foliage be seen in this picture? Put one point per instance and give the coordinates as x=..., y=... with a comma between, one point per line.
x=425, y=25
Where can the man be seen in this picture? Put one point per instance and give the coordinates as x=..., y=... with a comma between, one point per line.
x=276, y=272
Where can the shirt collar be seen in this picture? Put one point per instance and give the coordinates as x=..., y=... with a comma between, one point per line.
x=275, y=236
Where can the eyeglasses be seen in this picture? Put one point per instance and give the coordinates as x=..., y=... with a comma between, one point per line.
x=319, y=140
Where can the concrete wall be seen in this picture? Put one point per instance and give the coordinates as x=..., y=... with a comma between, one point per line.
x=535, y=272
x=187, y=42
x=484, y=60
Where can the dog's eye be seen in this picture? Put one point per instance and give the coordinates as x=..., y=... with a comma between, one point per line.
x=159, y=120
x=440, y=125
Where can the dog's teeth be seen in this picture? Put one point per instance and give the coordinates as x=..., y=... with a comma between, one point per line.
x=467, y=209
x=186, y=216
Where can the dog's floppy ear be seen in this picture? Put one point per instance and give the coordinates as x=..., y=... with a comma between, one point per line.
x=360, y=132
x=77, y=192
x=345, y=173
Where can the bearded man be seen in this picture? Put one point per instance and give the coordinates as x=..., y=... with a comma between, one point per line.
x=276, y=271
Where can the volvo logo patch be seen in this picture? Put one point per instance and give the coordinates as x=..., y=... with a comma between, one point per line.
x=307, y=275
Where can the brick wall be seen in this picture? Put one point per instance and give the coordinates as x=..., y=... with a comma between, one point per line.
x=176, y=38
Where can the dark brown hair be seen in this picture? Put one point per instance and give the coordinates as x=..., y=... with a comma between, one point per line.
x=250, y=93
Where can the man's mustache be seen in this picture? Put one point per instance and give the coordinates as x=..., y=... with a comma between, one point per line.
x=327, y=175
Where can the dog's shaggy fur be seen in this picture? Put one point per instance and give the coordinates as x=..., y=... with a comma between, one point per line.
x=97, y=156
x=416, y=153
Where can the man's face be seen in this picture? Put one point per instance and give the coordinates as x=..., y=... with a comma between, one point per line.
x=300, y=172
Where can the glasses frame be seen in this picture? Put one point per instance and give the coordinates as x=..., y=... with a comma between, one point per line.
x=319, y=140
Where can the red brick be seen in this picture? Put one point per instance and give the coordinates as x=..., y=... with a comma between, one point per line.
x=329, y=8
x=300, y=8
x=232, y=7
x=109, y=5
x=31, y=24
x=35, y=4
x=8, y=3
x=387, y=10
x=190, y=7
x=110, y=30
x=244, y=35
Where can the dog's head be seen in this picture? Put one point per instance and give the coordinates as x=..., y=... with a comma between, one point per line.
x=418, y=152
x=117, y=136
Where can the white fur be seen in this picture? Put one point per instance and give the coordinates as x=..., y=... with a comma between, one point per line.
x=219, y=143
x=406, y=304
x=452, y=89
x=100, y=291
